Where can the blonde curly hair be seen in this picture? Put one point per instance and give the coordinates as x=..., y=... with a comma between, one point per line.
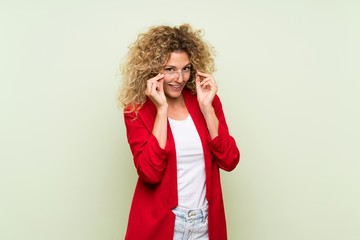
x=148, y=55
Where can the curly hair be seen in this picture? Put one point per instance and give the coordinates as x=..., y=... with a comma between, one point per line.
x=148, y=55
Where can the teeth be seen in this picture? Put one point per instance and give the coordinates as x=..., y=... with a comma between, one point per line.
x=174, y=86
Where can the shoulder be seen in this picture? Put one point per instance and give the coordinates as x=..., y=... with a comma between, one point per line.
x=144, y=116
x=133, y=111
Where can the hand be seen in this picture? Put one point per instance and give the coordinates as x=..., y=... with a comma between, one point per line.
x=206, y=89
x=155, y=91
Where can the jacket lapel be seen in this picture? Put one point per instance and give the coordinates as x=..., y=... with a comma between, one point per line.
x=201, y=127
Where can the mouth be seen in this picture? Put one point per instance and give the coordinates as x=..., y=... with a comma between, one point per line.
x=174, y=86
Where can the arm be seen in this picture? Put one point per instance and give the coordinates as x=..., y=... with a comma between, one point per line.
x=155, y=91
x=223, y=146
x=212, y=121
x=160, y=126
x=149, y=149
x=149, y=157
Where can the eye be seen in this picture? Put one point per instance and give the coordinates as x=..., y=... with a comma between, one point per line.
x=187, y=68
x=169, y=69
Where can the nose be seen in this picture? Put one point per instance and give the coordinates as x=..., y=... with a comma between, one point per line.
x=179, y=76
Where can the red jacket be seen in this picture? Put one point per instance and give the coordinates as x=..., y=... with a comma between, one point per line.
x=155, y=195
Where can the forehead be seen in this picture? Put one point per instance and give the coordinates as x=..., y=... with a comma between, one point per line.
x=178, y=59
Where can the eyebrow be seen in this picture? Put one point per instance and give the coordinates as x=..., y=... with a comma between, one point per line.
x=175, y=66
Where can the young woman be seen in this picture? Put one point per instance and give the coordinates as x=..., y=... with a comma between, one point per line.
x=178, y=136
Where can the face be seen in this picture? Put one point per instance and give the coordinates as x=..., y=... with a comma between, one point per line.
x=174, y=81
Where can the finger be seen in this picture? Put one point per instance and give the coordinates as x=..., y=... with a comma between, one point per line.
x=213, y=86
x=161, y=85
x=153, y=80
x=148, y=88
x=203, y=74
x=153, y=89
x=207, y=80
x=157, y=77
x=197, y=82
x=161, y=76
x=207, y=85
x=157, y=86
x=207, y=77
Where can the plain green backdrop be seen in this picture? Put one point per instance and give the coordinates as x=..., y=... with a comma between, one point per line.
x=288, y=76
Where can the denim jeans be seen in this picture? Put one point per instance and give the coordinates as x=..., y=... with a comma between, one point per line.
x=191, y=224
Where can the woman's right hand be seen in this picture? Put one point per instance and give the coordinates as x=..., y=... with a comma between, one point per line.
x=155, y=91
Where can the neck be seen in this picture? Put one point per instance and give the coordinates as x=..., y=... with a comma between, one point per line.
x=175, y=102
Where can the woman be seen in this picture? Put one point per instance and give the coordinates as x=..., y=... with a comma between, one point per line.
x=178, y=136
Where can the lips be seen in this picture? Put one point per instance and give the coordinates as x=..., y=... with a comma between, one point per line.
x=175, y=86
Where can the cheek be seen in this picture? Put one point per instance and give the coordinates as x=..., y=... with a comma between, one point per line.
x=165, y=83
x=187, y=80
x=166, y=87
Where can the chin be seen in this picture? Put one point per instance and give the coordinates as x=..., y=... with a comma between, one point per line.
x=173, y=93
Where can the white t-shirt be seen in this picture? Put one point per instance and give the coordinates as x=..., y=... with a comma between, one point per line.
x=190, y=164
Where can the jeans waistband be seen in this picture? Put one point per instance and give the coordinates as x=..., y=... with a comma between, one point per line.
x=191, y=214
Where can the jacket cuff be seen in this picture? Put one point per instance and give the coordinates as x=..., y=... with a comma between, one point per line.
x=217, y=143
x=160, y=153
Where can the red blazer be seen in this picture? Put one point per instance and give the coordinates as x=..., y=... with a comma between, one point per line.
x=155, y=195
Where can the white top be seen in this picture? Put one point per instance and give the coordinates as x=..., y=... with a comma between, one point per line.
x=190, y=164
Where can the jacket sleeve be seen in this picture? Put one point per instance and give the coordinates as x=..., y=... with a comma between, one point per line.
x=149, y=158
x=223, y=146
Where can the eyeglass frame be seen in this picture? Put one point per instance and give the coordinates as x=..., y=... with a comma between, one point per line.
x=181, y=72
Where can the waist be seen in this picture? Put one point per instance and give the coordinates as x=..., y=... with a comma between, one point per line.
x=191, y=214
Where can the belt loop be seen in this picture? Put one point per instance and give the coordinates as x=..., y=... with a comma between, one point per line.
x=203, y=215
x=187, y=214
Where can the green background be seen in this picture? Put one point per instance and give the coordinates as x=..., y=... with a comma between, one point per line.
x=288, y=76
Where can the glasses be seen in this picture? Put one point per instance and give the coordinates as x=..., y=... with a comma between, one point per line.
x=171, y=74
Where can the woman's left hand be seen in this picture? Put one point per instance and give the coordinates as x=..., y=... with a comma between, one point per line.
x=206, y=89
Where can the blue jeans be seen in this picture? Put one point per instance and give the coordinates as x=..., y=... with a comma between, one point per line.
x=191, y=224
